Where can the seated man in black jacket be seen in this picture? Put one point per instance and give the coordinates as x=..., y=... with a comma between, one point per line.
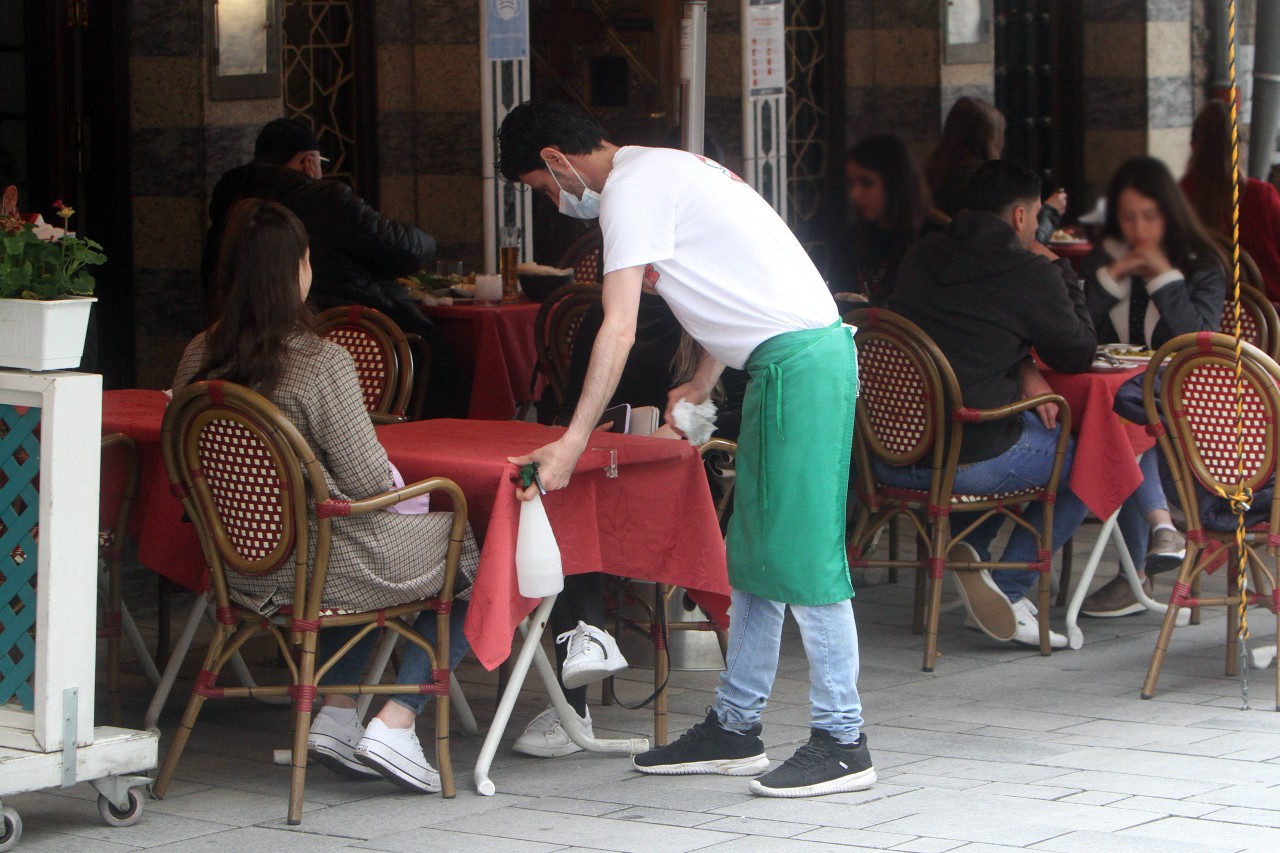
x=356, y=253
x=987, y=292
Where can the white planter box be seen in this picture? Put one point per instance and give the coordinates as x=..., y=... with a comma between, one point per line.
x=43, y=335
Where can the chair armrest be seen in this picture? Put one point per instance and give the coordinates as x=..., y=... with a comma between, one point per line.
x=978, y=416
x=383, y=418
x=332, y=508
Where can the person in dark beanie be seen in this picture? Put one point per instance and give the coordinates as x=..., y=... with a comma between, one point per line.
x=356, y=253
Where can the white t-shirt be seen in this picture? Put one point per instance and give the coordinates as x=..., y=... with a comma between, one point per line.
x=727, y=265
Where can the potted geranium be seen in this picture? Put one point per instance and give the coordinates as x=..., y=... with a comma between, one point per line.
x=45, y=292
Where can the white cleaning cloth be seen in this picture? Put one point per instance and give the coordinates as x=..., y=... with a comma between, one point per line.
x=696, y=422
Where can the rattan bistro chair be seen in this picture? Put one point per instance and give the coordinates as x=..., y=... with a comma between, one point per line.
x=584, y=256
x=246, y=478
x=1259, y=323
x=910, y=412
x=1197, y=394
x=554, y=331
x=387, y=362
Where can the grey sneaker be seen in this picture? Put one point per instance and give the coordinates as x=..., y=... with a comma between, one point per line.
x=1114, y=598
x=821, y=766
x=333, y=745
x=1168, y=548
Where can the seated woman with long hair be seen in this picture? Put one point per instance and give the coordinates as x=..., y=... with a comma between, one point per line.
x=264, y=340
x=972, y=134
x=1207, y=185
x=1155, y=275
x=890, y=203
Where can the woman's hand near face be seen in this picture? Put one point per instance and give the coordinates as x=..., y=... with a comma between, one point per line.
x=1152, y=261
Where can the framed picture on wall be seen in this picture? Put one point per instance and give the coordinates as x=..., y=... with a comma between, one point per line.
x=966, y=32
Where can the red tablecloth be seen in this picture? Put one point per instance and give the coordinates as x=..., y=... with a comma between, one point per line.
x=166, y=544
x=1105, y=471
x=1073, y=252
x=654, y=521
x=494, y=343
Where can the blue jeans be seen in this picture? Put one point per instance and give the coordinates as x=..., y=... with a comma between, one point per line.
x=830, y=642
x=415, y=666
x=1024, y=465
x=1149, y=496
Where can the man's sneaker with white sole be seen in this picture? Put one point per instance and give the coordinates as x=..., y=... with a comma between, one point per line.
x=592, y=655
x=821, y=766
x=1029, y=626
x=708, y=748
x=398, y=756
x=545, y=736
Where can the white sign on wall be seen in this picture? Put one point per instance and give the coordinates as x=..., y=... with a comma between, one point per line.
x=506, y=29
x=765, y=48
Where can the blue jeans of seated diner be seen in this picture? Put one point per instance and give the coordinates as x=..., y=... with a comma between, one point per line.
x=830, y=642
x=1024, y=465
x=415, y=666
x=1149, y=496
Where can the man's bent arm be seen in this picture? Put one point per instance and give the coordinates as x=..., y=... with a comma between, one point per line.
x=621, y=299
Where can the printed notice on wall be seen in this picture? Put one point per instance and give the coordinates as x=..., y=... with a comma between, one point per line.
x=766, y=48
x=506, y=29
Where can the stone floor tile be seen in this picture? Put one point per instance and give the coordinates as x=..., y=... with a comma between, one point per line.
x=427, y=838
x=928, y=845
x=854, y=838
x=911, y=780
x=1075, y=842
x=379, y=816
x=254, y=838
x=668, y=791
x=930, y=724
x=39, y=839
x=1161, y=766
x=1167, y=807
x=591, y=832
x=568, y=805
x=1125, y=734
x=1031, y=792
x=1188, y=831
x=757, y=844
x=986, y=771
x=1249, y=796
x=1094, y=798
x=1132, y=783
x=232, y=807
x=753, y=826
x=1253, y=817
x=665, y=816
x=820, y=812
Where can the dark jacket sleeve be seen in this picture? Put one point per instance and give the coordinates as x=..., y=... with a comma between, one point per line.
x=1047, y=222
x=1191, y=304
x=384, y=247
x=1060, y=326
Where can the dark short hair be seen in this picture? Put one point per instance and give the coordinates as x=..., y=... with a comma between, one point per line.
x=534, y=125
x=997, y=185
x=281, y=139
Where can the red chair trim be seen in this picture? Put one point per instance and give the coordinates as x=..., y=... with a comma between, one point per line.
x=333, y=509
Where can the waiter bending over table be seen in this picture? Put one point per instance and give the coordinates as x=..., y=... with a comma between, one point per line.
x=739, y=282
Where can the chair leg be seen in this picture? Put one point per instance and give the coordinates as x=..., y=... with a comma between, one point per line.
x=1068, y=565
x=302, y=701
x=932, y=609
x=917, y=603
x=188, y=721
x=1195, y=592
x=1232, y=667
x=448, y=787
x=893, y=547
x=661, y=662
x=1043, y=617
x=1189, y=566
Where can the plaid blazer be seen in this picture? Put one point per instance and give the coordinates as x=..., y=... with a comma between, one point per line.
x=375, y=560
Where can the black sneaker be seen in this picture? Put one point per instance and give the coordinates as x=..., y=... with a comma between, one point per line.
x=707, y=748
x=821, y=766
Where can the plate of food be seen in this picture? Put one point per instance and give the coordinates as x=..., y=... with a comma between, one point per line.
x=464, y=290
x=1132, y=355
x=1063, y=237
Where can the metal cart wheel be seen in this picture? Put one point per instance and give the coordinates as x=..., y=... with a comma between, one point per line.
x=12, y=830
x=113, y=816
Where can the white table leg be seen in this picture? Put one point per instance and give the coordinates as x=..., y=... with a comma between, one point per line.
x=1075, y=637
x=531, y=652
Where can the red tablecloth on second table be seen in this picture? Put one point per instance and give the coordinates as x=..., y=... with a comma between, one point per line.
x=1105, y=471
x=494, y=343
x=1073, y=252
x=654, y=521
x=166, y=544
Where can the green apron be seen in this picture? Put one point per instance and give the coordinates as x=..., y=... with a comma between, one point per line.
x=786, y=534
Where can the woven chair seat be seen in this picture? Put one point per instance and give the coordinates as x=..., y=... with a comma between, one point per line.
x=921, y=498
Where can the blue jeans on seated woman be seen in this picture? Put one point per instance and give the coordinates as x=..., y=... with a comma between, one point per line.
x=415, y=666
x=1025, y=465
x=1147, y=497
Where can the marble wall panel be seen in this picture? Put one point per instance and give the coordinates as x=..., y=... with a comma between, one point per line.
x=168, y=232
x=1168, y=48
x=166, y=91
x=1172, y=145
x=225, y=148
x=1168, y=10
x=397, y=198
x=902, y=14
x=446, y=77
x=447, y=208
x=1116, y=104
x=859, y=57
x=396, y=143
x=905, y=57
x=1114, y=10
x=448, y=143
x=724, y=65
x=395, y=77
x=445, y=22
x=169, y=302
x=164, y=164
x=1114, y=49
x=165, y=28
x=1169, y=101
x=393, y=22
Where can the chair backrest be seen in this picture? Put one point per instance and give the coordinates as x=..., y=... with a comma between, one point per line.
x=1250, y=274
x=244, y=475
x=380, y=351
x=1198, y=396
x=719, y=458
x=556, y=328
x=903, y=398
x=584, y=256
x=1259, y=323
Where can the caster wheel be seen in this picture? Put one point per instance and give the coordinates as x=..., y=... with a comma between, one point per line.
x=12, y=830
x=113, y=816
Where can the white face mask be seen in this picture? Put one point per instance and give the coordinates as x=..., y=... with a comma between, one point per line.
x=586, y=207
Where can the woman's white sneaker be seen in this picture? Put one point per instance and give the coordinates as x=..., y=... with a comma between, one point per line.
x=398, y=756
x=545, y=736
x=332, y=742
x=592, y=655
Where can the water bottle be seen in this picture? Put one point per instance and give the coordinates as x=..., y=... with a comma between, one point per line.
x=538, y=568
